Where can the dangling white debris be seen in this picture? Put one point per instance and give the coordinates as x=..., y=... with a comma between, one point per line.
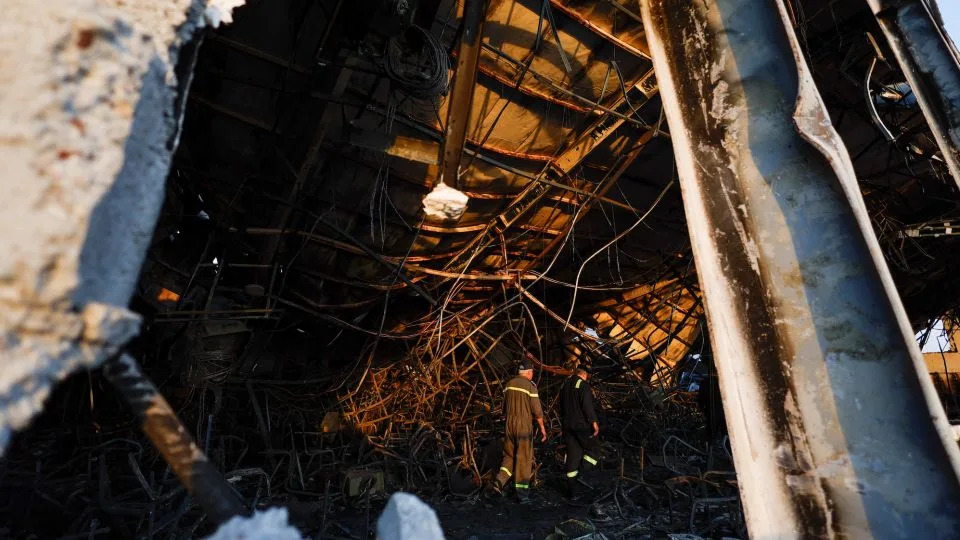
x=445, y=202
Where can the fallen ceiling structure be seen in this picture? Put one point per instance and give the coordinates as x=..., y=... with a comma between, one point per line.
x=364, y=213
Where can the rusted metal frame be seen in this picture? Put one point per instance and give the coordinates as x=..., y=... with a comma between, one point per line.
x=330, y=118
x=594, y=107
x=432, y=133
x=438, y=129
x=646, y=82
x=334, y=307
x=459, y=105
x=632, y=325
x=636, y=292
x=523, y=202
x=543, y=229
x=392, y=144
x=933, y=228
x=516, y=86
x=257, y=53
x=563, y=164
x=546, y=11
x=931, y=67
x=549, y=213
x=823, y=386
x=532, y=91
x=345, y=324
x=598, y=132
x=652, y=319
x=625, y=10
x=663, y=345
x=291, y=205
x=425, y=227
x=342, y=246
x=647, y=85
x=553, y=315
x=226, y=111
x=679, y=286
x=615, y=320
x=315, y=274
x=160, y=424
x=561, y=198
x=554, y=214
x=426, y=129
x=685, y=284
x=471, y=276
x=393, y=148
x=632, y=336
x=597, y=30
x=601, y=191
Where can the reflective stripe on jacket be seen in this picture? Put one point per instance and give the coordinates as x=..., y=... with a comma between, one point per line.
x=521, y=403
x=576, y=404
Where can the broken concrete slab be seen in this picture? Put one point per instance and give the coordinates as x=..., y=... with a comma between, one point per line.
x=406, y=517
x=90, y=111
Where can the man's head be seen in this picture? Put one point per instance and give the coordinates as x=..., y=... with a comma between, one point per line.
x=583, y=372
x=525, y=369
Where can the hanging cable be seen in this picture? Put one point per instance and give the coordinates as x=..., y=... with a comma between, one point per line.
x=423, y=78
x=615, y=239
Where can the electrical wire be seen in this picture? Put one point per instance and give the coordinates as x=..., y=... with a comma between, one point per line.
x=423, y=81
x=614, y=240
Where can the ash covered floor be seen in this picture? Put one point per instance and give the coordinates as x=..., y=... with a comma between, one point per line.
x=636, y=512
x=87, y=461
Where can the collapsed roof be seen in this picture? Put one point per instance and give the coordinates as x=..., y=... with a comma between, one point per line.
x=301, y=142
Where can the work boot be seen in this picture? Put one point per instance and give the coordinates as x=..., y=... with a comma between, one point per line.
x=570, y=488
x=523, y=496
x=492, y=490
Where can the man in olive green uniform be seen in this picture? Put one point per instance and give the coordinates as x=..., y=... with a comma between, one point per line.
x=521, y=403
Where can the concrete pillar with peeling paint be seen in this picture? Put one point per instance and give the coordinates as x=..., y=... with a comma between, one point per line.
x=835, y=427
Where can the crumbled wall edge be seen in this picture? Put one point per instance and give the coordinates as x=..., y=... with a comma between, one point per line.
x=87, y=133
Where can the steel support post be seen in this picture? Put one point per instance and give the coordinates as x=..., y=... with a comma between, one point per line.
x=835, y=426
x=930, y=64
x=167, y=433
x=461, y=94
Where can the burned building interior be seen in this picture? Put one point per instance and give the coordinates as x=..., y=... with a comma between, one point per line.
x=375, y=209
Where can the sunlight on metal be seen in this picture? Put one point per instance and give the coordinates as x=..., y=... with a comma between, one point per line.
x=824, y=389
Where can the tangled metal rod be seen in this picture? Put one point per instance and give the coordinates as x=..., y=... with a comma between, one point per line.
x=161, y=425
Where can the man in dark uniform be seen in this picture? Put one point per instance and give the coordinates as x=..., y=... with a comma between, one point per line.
x=580, y=427
x=521, y=403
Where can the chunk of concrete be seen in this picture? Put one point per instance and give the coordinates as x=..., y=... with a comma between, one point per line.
x=270, y=523
x=406, y=517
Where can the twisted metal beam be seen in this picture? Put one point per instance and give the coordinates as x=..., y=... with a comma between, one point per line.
x=835, y=426
x=931, y=66
x=197, y=474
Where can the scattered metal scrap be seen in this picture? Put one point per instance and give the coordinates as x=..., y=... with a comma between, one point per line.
x=662, y=474
x=327, y=344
